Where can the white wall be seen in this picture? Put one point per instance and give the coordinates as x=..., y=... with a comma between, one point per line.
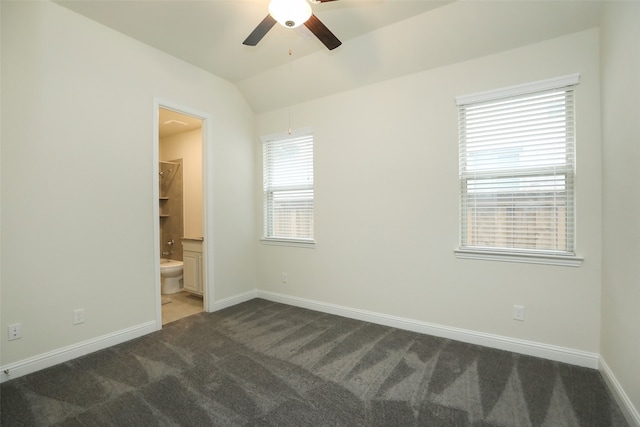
x=386, y=168
x=621, y=227
x=77, y=191
x=77, y=177
x=188, y=147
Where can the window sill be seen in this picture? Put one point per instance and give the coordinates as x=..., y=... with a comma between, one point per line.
x=309, y=244
x=524, y=257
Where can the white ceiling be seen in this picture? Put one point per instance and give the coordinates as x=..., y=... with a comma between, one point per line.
x=382, y=39
x=171, y=123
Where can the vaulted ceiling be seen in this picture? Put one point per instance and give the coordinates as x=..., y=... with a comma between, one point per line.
x=382, y=39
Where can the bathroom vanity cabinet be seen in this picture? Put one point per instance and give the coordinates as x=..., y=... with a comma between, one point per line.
x=193, y=278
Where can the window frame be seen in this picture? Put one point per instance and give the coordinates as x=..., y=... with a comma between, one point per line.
x=534, y=256
x=268, y=236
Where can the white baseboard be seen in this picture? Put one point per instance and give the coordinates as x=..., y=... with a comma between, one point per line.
x=561, y=354
x=231, y=301
x=625, y=404
x=531, y=348
x=64, y=354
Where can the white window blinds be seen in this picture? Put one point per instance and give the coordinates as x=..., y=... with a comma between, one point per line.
x=288, y=188
x=517, y=169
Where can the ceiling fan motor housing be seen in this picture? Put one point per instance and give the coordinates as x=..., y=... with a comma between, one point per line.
x=291, y=14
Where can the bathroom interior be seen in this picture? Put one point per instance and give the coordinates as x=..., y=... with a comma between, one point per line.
x=181, y=215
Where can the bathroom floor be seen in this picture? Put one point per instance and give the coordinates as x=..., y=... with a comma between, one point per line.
x=182, y=304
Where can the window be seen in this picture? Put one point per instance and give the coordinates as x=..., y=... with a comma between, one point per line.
x=288, y=188
x=517, y=172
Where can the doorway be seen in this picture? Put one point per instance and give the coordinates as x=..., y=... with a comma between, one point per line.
x=179, y=156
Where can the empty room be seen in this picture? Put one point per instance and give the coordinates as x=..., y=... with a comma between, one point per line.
x=399, y=212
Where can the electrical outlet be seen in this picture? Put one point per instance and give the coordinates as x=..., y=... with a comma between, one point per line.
x=518, y=312
x=78, y=316
x=285, y=278
x=15, y=331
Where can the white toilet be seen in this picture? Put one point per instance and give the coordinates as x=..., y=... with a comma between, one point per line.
x=170, y=276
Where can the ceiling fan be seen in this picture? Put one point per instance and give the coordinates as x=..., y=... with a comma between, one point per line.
x=292, y=14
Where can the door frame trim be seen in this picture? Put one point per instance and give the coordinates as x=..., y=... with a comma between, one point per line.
x=207, y=201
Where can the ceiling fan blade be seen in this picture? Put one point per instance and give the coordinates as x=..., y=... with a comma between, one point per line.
x=260, y=31
x=322, y=32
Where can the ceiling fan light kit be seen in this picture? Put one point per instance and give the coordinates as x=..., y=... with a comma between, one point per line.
x=292, y=14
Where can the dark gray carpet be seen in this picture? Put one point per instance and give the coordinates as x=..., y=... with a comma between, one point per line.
x=266, y=364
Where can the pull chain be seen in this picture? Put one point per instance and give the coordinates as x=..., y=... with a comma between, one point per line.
x=290, y=72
